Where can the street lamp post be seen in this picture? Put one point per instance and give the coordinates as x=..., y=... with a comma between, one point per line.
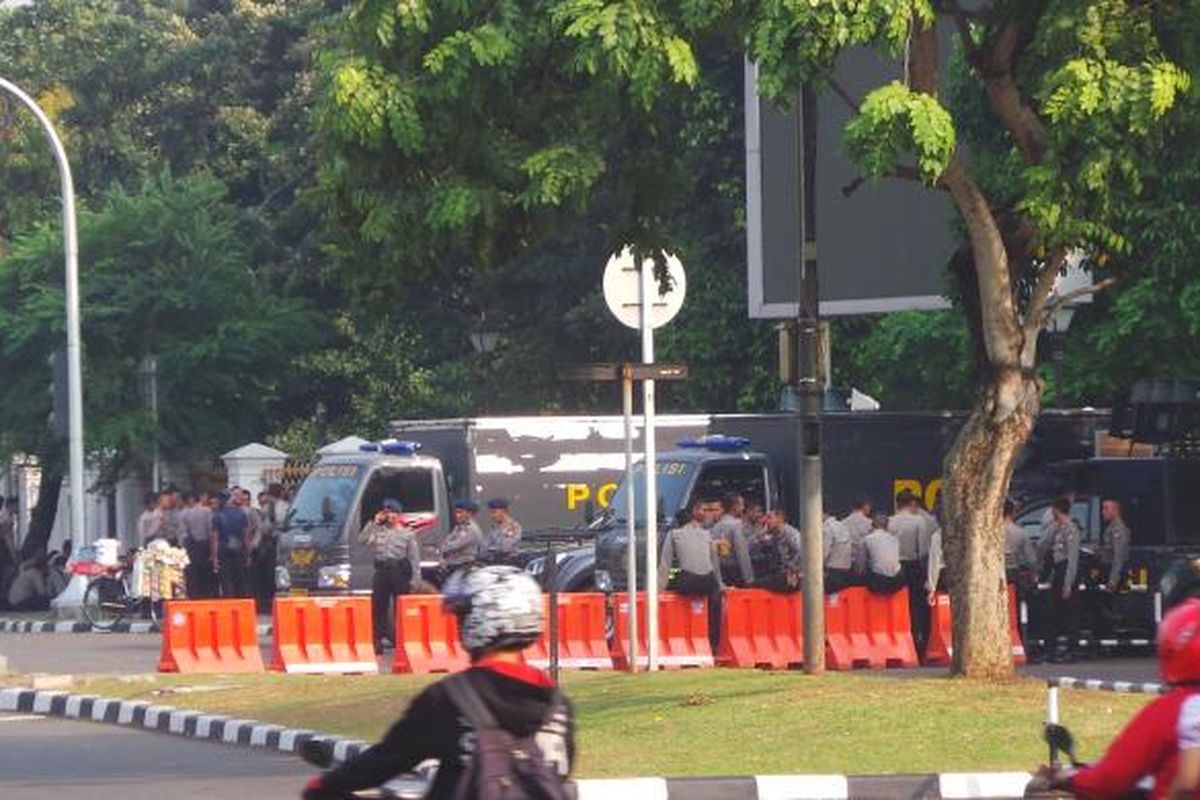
x=74, y=368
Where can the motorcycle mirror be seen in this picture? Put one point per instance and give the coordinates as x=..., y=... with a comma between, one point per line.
x=317, y=752
x=1058, y=737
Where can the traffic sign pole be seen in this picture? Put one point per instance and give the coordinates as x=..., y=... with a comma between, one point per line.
x=647, y=292
x=630, y=515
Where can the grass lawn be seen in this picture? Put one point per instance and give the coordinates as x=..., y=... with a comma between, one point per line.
x=715, y=722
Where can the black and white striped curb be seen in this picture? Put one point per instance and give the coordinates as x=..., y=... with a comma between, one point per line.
x=248, y=733
x=1123, y=687
x=810, y=787
x=169, y=720
x=1097, y=642
x=31, y=626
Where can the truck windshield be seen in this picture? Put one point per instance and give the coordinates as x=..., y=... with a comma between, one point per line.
x=326, y=495
x=674, y=478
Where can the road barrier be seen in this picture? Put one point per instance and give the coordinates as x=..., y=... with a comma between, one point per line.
x=940, y=647
x=864, y=629
x=761, y=629
x=682, y=631
x=210, y=636
x=323, y=635
x=426, y=636
x=581, y=639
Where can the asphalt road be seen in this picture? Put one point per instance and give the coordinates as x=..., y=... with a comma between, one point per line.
x=42, y=758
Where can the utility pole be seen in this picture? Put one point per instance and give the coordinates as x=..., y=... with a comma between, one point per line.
x=74, y=368
x=810, y=390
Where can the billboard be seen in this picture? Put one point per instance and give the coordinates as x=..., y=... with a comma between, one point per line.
x=882, y=246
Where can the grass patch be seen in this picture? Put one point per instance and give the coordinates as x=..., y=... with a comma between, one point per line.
x=731, y=722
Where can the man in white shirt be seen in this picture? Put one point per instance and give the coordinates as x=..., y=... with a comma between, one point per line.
x=839, y=554
x=858, y=523
x=884, y=575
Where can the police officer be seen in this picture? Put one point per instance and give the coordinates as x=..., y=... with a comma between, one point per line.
x=1114, y=558
x=913, y=533
x=858, y=523
x=504, y=534
x=839, y=554
x=730, y=535
x=1020, y=559
x=1060, y=542
x=783, y=570
x=693, y=545
x=463, y=546
x=397, y=562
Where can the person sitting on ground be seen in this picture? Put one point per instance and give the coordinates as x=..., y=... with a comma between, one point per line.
x=884, y=575
x=500, y=612
x=699, y=562
x=30, y=591
x=730, y=536
x=784, y=548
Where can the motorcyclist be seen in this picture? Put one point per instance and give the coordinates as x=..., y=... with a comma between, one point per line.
x=1163, y=740
x=500, y=612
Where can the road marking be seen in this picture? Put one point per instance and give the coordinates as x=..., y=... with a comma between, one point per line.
x=22, y=718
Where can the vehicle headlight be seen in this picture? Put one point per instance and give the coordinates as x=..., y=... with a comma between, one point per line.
x=603, y=581
x=283, y=578
x=336, y=576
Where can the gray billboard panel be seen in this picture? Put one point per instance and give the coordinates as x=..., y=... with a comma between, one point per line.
x=881, y=247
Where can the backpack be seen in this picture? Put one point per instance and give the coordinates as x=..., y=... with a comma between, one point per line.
x=503, y=767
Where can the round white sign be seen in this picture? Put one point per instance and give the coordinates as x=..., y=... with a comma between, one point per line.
x=622, y=290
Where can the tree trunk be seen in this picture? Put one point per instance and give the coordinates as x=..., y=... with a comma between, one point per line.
x=977, y=474
x=41, y=521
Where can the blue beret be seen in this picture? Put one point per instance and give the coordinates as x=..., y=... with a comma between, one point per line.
x=498, y=502
x=392, y=504
x=466, y=505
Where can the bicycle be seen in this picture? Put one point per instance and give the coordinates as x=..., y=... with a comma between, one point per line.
x=112, y=595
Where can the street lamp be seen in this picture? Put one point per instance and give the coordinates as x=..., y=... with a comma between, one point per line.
x=74, y=368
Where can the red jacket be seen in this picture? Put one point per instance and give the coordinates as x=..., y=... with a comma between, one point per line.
x=1149, y=746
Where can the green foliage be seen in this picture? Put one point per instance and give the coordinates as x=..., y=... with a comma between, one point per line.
x=909, y=361
x=166, y=273
x=894, y=119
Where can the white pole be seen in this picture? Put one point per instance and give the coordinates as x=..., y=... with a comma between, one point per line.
x=646, y=296
x=1052, y=705
x=630, y=515
x=74, y=370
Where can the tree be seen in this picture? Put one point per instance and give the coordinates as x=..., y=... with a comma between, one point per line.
x=168, y=275
x=484, y=121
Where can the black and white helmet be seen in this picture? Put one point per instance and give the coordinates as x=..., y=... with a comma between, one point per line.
x=497, y=608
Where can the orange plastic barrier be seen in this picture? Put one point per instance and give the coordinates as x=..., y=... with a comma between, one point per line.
x=761, y=629
x=940, y=647
x=581, y=638
x=210, y=636
x=323, y=634
x=1014, y=627
x=864, y=629
x=426, y=636
x=847, y=645
x=682, y=631
x=891, y=630
x=941, y=637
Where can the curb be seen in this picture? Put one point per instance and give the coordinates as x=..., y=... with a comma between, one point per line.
x=30, y=626
x=249, y=733
x=169, y=720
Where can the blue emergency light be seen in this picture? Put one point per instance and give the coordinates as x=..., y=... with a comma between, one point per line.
x=391, y=447
x=716, y=442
